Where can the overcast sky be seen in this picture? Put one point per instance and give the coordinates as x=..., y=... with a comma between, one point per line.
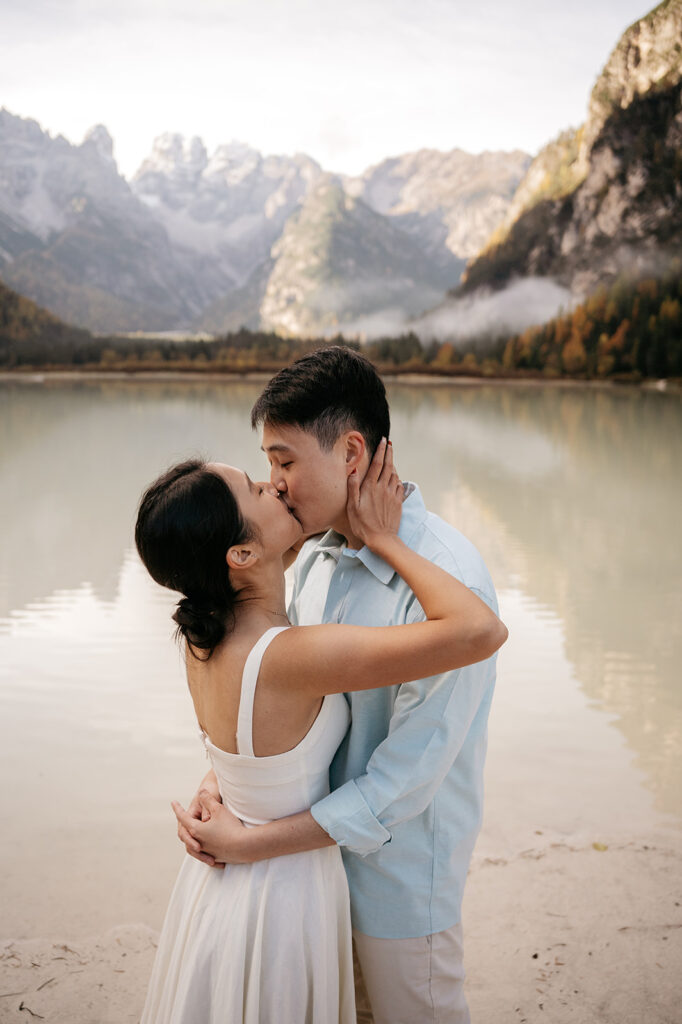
x=349, y=82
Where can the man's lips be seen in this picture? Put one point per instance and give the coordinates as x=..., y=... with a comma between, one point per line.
x=288, y=507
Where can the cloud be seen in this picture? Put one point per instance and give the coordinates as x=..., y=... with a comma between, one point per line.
x=530, y=300
x=484, y=316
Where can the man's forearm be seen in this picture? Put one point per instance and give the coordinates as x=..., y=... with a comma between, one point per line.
x=294, y=834
x=225, y=838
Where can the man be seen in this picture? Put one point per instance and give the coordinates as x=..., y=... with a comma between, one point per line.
x=407, y=781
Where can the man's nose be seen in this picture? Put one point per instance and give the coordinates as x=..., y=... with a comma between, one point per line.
x=277, y=480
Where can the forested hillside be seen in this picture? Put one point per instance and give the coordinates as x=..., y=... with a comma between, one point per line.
x=28, y=332
x=628, y=329
x=627, y=332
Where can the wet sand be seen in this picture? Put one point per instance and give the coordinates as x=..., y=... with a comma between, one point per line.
x=557, y=934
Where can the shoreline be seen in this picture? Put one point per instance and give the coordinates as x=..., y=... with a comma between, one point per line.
x=412, y=379
x=560, y=933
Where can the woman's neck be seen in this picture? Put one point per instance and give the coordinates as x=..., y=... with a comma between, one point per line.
x=264, y=595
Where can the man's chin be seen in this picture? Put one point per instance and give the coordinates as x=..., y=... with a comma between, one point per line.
x=314, y=531
x=309, y=529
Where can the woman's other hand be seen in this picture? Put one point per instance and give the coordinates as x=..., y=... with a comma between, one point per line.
x=196, y=812
x=218, y=837
x=374, y=507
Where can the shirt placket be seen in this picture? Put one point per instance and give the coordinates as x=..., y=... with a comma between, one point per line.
x=337, y=596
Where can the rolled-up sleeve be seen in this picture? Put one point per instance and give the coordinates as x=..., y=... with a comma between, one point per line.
x=430, y=723
x=346, y=816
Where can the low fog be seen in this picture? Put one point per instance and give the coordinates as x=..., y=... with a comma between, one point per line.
x=484, y=315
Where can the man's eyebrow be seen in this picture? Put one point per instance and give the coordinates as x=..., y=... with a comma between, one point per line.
x=276, y=448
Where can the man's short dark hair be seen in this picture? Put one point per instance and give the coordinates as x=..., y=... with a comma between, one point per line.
x=326, y=392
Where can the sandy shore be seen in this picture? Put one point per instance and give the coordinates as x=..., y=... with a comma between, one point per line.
x=556, y=934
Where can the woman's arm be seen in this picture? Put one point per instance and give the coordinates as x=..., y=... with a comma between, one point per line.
x=460, y=629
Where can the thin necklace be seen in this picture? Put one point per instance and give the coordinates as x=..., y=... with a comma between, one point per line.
x=270, y=611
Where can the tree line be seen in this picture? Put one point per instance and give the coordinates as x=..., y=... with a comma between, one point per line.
x=630, y=331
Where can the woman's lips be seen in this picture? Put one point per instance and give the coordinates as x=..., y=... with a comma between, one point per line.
x=287, y=507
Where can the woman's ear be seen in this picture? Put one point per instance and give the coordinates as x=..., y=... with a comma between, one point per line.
x=355, y=450
x=241, y=556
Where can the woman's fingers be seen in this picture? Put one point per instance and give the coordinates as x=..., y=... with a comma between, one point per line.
x=354, y=490
x=387, y=468
x=377, y=464
x=189, y=841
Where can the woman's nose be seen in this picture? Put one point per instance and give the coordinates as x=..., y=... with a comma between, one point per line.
x=271, y=489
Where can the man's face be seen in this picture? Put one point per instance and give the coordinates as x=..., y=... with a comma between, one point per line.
x=313, y=482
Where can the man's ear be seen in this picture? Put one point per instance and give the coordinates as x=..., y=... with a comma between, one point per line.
x=355, y=450
x=240, y=557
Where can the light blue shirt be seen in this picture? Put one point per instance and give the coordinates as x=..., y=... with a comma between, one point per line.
x=407, y=779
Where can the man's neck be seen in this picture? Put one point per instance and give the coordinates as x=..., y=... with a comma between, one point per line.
x=342, y=526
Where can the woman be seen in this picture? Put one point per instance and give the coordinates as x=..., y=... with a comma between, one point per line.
x=270, y=941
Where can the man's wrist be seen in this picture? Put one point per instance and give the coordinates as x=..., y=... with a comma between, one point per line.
x=294, y=834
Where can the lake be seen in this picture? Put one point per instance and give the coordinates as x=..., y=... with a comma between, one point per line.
x=573, y=496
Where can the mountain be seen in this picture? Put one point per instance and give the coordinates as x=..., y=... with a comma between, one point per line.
x=75, y=239
x=338, y=261
x=449, y=203
x=259, y=218
x=608, y=197
x=214, y=241
x=228, y=209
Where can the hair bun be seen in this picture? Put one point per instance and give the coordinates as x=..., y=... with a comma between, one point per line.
x=201, y=626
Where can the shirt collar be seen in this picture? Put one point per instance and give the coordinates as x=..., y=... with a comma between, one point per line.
x=414, y=513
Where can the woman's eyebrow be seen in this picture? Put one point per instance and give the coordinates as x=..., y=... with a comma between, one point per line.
x=249, y=481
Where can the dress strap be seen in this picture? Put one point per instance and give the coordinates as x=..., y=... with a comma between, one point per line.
x=249, y=680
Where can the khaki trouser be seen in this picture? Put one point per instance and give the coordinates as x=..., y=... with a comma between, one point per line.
x=410, y=981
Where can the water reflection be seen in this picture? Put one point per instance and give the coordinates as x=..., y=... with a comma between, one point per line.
x=572, y=495
x=575, y=497
x=74, y=460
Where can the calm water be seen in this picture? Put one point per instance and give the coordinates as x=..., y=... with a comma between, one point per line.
x=573, y=497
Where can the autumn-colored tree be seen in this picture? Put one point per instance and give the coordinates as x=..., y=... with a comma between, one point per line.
x=573, y=354
x=446, y=355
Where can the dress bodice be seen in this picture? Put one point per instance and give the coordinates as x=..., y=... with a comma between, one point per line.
x=260, y=789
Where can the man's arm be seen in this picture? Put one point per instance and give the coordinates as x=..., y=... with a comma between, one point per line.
x=218, y=837
x=430, y=723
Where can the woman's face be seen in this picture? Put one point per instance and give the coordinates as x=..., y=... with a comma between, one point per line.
x=260, y=505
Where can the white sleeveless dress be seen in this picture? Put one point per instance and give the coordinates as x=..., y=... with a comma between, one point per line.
x=270, y=942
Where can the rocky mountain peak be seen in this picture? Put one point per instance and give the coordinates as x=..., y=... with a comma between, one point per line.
x=175, y=157
x=99, y=137
x=232, y=162
x=449, y=202
x=19, y=129
x=648, y=55
x=591, y=188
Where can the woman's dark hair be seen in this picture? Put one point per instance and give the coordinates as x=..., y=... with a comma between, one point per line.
x=326, y=392
x=186, y=522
